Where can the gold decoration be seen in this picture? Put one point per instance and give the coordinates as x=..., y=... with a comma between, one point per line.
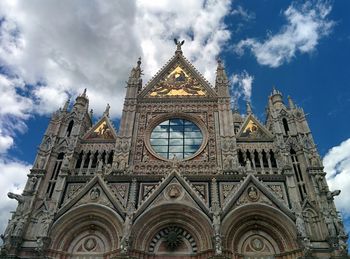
x=252, y=130
x=102, y=132
x=178, y=83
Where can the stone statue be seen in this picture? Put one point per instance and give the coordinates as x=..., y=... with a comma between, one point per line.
x=338, y=223
x=178, y=44
x=248, y=165
x=19, y=227
x=31, y=185
x=330, y=224
x=218, y=245
x=22, y=203
x=106, y=112
x=215, y=210
x=125, y=241
x=300, y=223
x=99, y=165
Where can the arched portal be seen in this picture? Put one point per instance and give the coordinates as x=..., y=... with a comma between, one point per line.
x=173, y=230
x=259, y=231
x=87, y=231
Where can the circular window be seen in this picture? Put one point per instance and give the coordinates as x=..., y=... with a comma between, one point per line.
x=176, y=138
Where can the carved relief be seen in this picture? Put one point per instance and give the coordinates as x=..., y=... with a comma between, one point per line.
x=121, y=191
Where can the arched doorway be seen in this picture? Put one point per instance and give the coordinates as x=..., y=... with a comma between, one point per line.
x=86, y=232
x=172, y=231
x=260, y=231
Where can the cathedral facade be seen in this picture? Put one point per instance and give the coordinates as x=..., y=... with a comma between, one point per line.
x=185, y=176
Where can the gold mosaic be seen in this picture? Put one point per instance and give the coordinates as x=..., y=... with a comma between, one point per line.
x=178, y=83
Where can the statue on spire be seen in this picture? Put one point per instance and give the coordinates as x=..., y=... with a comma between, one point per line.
x=179, y=44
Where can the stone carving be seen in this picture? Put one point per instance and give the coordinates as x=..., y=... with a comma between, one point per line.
x=330, y=223
x=216, y=211
x=218, y=244
x=257, y=244
x=46, y=221
x=31, y=185
x=18, y=230
x=41, y=162
x=90, y=243
x=300, y=223
x=277, y=189
x=253, y=194
x=229, y=162
x=23, y=203
x=95, y=193
x=125, y=240
x=174, y=192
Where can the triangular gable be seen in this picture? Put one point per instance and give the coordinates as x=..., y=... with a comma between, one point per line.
x=103, y=130
x=178, y=79
x=252, y=182
x=252, y=129
x=165, y=187
x=95, y=191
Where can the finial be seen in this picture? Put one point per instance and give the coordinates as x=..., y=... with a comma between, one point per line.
x=106, y=112
x=291, y=103
x=178, y=45
x=139, y=62
x=84, y=93
x=91, y=113
x=234, y=105
x=66, y=104
x=249, y=108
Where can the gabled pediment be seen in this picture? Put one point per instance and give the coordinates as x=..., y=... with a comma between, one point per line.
x=173, y=189
x=252, y=130
x=103, y=130
x=251, y=191
x=178, y=78
x=95, y=191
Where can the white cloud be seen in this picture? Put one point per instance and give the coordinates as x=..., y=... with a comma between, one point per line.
x=13, y=176
x=241, y=86
x=306, y=25
x=337, y=166
x=60, y=48
x=199, y=23
x=245, y=14
x=53, y=50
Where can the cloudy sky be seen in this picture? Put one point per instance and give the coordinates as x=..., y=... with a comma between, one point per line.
x=51, y=50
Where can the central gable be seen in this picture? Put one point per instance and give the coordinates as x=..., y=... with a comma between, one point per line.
x=178, y=79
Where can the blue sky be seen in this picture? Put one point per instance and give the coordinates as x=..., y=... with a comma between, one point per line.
x=52, y=51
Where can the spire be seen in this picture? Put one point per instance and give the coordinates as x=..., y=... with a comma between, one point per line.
x=82, y=101
x=84, y=94
x=135, y=74
x=106, y=112
x=276, y=98
x=249, y=108
x=66, y=105
x=291, y=103
x=221, y=81
x=234, y=106
x=91, y=113
x=221, y=76
x=178, y=46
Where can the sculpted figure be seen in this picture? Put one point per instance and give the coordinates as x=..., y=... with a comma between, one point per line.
x=300, y=223
x=19, y=227
x=330, y=224
x=215, y=210
x=22, y=203
x=125, y=241
x=31, y=184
